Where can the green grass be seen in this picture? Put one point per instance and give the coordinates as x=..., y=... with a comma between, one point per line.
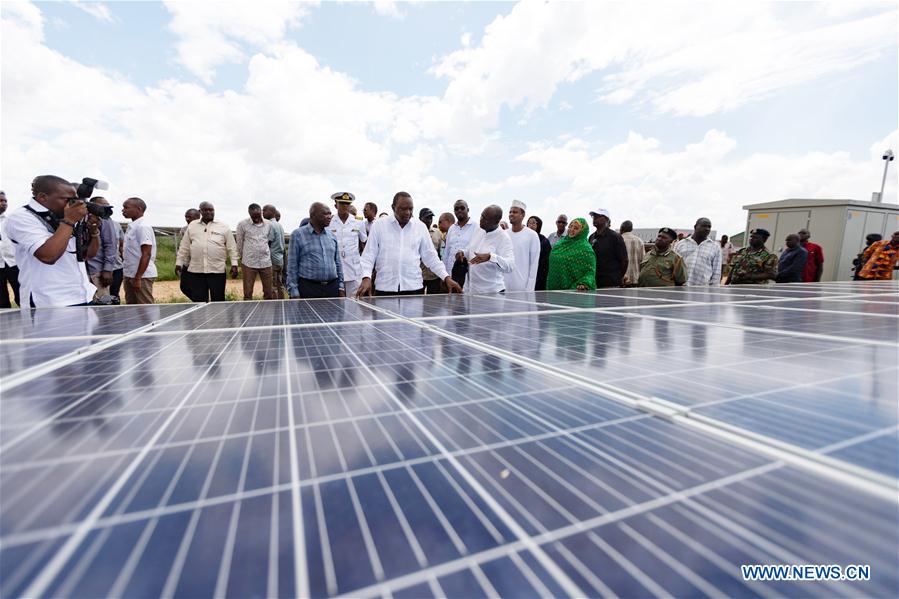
x=165, y=258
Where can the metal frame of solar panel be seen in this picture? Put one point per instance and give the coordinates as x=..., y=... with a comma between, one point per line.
x=631, y=442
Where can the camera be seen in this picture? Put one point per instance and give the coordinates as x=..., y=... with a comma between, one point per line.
x=86, y=189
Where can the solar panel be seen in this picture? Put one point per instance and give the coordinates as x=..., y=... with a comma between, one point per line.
x=628, y=442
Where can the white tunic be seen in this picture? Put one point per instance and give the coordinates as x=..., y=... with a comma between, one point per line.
x=139, y=233
x=397, y=253
x=487, y=277
x=349, y=234
x=526, y=246
x=64, y=283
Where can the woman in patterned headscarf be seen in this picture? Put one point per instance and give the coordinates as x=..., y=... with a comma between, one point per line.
x=572, y=262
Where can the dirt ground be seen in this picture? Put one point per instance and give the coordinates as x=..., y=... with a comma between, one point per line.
x=168, y=291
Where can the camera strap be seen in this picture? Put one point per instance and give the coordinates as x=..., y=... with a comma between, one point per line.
x=50, y=221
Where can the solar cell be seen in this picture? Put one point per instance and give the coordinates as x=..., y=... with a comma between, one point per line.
x=632, y=442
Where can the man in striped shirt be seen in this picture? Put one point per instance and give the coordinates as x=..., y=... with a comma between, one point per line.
x=701, y=255
x=313, y=263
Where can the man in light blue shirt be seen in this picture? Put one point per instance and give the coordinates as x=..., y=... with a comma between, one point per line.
x=313, y=262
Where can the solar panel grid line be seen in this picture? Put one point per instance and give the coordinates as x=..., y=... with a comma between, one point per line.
x=342, y=407
x=642, y=577
x=17, y=379
x=698, y=371
x=186, y=539
x=831, y=525
x=39, y=585
x=861, y=479
x=787, y=332
x=578, y=527
x=15, y=538
x=592, y=579
x=623, y=396
x=67, y=408
x=263, y=328
x=137, y=551
x=545, y=561
x=845, y=473
x=509, y=298
x=227, y=554
x=301, y=575
x=723, y=566
x=59, y=339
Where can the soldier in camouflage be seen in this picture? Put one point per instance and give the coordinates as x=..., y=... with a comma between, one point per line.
x=754, y=264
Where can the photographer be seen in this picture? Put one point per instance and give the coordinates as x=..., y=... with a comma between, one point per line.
x=46, y=248
x=102, y=267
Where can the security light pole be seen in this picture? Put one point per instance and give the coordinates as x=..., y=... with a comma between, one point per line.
x=887, y=159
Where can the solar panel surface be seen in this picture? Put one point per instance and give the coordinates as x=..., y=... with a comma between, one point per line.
x=625, y=442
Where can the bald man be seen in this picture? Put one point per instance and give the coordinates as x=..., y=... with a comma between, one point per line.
x=204, y=250
x=314, y=266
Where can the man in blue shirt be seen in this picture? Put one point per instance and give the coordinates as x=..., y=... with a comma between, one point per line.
x=313, y=262
x=792, y=261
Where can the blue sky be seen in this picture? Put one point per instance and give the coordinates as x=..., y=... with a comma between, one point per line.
x=659, y=113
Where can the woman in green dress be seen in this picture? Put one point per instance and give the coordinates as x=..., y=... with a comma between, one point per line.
x=572, y=263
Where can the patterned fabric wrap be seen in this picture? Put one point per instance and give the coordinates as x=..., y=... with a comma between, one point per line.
x=880, y=259
x=572, y=262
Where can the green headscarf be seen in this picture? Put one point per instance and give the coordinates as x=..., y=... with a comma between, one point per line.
x=572, y=262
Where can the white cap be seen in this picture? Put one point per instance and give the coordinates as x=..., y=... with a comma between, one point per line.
x=601, y=212
x=519, y=204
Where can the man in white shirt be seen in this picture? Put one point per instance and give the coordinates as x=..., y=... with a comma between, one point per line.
x=490, y=255
x=526, y=247
x=42, y=233
x=702, y=256
x=457, y=238
x=206, y=246
x=140, y=254
x=397, y=246
x=253, y=236
x=351, y=236
x=9, y=272
x=369, y=214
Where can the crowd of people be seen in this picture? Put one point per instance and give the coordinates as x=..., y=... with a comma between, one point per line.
x=391, y=253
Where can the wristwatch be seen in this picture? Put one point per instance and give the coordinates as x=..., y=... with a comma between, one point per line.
x=65, y=222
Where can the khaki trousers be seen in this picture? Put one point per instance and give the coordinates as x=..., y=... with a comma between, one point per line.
x=249, y=280
x=142, y=296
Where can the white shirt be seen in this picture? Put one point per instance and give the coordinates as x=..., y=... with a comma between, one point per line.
x=397, y=253
x=487, y=277
x=64, y=283
x=703, y=261
x=139, y=233
x=7, y=249
x=349, y=234
x=526, y=246
x=252, y=243
x=205, y=247
x=457, y=239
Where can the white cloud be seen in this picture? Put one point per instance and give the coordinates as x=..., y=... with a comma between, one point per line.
x=213, y=33
x=387, y=8
x=98, y=10
x=639, y=179
x=662, y=55
x=297, y=131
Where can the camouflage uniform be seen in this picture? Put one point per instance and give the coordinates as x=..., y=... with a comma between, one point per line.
x=748, y=261
x=664, y=269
